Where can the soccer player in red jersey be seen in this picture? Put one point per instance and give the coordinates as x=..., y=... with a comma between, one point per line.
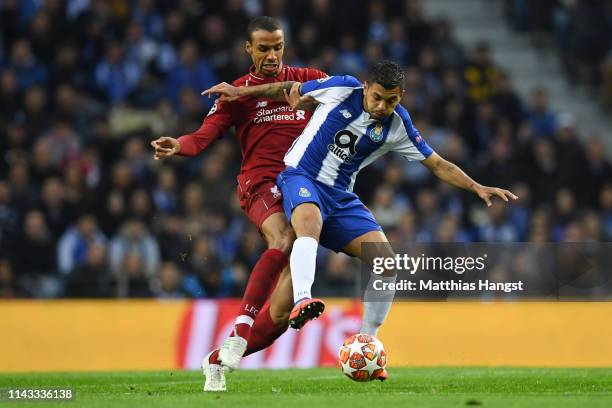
x=265, y=128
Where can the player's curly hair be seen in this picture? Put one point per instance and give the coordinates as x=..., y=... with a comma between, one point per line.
x=265, y=23
x=387, y=73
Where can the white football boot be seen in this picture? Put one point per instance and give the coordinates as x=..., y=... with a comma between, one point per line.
x=215, y=375
x=231, y=352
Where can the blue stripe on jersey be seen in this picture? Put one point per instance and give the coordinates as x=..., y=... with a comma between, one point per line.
x=317, y=149
x=364, y=148
x=413, y=133
x=330, y=82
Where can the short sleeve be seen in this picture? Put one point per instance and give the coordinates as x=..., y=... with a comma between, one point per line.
x=407, y=140
x=312, y=74
x=330, y=89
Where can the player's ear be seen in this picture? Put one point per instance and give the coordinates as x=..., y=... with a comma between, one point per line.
x=248, y=47
x=365, y=87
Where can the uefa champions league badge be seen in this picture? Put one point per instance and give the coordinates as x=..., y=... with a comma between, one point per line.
x=304, y=192
x=376, y=133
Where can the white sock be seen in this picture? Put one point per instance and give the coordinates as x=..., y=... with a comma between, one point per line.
x=303, y=262
x=376, y=305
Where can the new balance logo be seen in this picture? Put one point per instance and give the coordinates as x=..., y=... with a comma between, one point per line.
x=261, y=104
x=346, y=113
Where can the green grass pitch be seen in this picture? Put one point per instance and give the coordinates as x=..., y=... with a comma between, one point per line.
x=320, y=388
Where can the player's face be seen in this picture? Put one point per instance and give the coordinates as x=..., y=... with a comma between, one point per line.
x=380, y=102
x=266, y=50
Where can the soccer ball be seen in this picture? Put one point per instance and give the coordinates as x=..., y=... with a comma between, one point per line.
x=362, y=357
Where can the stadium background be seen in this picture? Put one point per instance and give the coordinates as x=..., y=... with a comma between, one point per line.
x=85, y=212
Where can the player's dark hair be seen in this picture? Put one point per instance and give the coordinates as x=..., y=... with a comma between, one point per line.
x=265, y=23
x=388, y=74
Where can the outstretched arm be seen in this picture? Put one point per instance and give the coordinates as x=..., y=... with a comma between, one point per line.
x=281, y=91
x=453, y=175
x=219, y=119
x=229, y=92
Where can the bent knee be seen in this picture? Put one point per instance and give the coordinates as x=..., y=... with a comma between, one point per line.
x=307, y=221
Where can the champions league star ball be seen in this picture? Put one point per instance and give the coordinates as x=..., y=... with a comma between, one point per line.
x=362, y=357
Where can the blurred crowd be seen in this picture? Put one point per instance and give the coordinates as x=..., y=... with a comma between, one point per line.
x=580, y=31
x=86, y=84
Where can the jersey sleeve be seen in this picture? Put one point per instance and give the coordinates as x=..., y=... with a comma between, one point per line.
x=218, y=120
x=312, y=74
x=330, y=89
x=407, y=140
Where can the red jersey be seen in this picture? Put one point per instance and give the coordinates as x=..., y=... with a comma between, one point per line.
x=265, y=128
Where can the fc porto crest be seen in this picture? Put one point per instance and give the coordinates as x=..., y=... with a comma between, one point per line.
x=376, y=133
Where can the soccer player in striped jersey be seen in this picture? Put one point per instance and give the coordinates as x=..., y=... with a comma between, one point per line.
x=353, y=125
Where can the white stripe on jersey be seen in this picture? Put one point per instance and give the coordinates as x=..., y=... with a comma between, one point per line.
x=296, y=151
x=400, y=142
x=328, y=172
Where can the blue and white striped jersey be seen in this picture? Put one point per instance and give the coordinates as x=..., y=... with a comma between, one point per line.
x=341, y=138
